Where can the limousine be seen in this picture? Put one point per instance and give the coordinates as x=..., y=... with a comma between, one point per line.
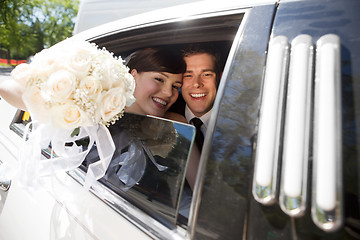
x=281, y=153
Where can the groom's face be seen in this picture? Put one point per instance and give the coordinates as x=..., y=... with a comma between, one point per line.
x=199, y=83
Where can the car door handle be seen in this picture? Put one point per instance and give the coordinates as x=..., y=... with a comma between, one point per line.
x=5, y=185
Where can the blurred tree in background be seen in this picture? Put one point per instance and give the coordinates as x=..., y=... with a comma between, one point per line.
x=28, y=26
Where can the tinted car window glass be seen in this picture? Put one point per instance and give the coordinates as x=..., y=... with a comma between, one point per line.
x=152, y=153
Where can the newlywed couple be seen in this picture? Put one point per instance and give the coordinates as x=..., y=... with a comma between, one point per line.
x=159, y=74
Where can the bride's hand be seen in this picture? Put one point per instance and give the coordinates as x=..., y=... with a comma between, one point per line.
x=12, y=92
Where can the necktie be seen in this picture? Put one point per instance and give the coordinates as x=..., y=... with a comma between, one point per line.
x=199, y=137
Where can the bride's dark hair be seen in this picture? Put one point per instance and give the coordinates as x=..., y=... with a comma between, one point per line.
x=156, y=60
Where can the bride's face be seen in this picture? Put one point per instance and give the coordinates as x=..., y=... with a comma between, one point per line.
x=155, y=92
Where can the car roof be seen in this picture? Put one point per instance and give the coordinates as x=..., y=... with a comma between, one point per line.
x=93, y=13
x=170, y=13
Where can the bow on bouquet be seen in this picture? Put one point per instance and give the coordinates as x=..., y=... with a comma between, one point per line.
x=71, y=85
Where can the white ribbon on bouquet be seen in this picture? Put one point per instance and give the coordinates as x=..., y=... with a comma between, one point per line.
x=65, y=153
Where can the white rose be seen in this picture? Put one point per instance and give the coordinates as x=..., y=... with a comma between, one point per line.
x=127, y=82
x=92, y=86
x=69, y=116
x=79, y=60
x=61, y=84
x=119, y=81
x=122, y=79
x=112, y=103
x=46, y=62
x=22, y=73
x=35, y=102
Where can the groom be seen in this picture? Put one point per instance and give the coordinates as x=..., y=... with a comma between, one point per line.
x=198, y=91
x=200, y=83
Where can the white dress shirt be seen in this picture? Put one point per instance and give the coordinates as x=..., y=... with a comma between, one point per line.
x=204, y=118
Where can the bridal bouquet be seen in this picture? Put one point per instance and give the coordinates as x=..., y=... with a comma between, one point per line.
x=71, y=85
x=74, y=84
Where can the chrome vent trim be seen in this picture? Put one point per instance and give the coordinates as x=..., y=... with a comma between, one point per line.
x=267, y=154
x=326, y=207
x=326, y=187
x=297, y=125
